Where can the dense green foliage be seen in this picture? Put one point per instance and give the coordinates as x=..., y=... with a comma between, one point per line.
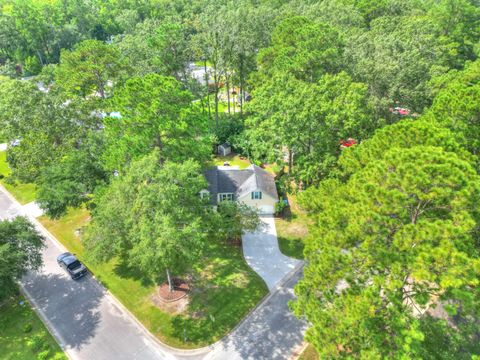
x=71, y=180
x=233, y=219
x=20, y=251
x=45, y=126
x=457, y=104
x=344, y=62
x=306, y=121
x=303, y=48
x=89, y=69
x=152, y=216
x=156, y=113
x=393, y=241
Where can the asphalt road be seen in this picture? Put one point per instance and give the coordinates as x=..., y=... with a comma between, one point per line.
x=89, y=324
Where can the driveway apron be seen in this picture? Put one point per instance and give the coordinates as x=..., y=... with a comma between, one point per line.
x=262, y=253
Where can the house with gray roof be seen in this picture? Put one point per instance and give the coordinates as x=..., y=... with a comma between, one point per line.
x=252, y=186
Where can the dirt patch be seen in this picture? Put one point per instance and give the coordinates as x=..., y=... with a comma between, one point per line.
x=300, y=230
x=173, y=307
x=172, y=302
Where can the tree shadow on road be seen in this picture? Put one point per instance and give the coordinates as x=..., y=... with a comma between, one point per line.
x=270, y=332
x=71, y=306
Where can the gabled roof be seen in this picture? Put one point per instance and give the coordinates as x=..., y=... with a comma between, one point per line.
x=239, y=182
x=265, y=181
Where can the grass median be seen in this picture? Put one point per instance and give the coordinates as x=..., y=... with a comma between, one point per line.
x=23, y=335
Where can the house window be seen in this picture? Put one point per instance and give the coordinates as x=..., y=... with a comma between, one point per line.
x=225, y=197
x=256, y=195
x=204, y=194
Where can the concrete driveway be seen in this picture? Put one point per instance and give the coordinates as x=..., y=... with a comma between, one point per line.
x=263, y=255
x=90, y=324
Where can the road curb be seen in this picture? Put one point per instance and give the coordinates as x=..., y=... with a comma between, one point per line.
x=48, y=325
x=299, y=351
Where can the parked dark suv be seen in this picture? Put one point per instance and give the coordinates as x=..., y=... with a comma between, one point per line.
x=71, y=264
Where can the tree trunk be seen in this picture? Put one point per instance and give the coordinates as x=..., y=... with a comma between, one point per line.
x=290, y=161
x=170, y=281
x=241, y=86
x=216, y=79
x=159, y=145
x=227, y=83
x=39, y=55
x=206, y=85
x=101, y=90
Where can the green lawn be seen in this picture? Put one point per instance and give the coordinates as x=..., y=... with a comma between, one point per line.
x=4, y=168
x=23, y=335
x=224, y=289
x=233, y=159
x=309, y=354
x=202, y=63
x=24, y=193
x=292, y=229
x=222, y=105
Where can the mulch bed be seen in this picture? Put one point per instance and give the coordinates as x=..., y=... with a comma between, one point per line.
x=180, y=290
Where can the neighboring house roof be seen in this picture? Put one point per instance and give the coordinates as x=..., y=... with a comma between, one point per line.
x=224, y=145
x=239, y=182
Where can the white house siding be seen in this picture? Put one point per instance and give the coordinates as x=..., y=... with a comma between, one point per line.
x=266, y=204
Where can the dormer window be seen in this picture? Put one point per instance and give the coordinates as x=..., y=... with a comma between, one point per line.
x=256, y=195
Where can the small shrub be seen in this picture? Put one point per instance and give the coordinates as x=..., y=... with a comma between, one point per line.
x=280, y=206
x=36, y=342
x=10, y=180
x=44, y=355
x=27, y=328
